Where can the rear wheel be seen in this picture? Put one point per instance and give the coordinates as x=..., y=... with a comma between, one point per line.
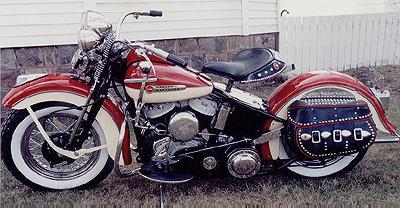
x=29, y=158
x=318, y=168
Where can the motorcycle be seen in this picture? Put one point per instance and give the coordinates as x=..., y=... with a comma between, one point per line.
x=71, y=130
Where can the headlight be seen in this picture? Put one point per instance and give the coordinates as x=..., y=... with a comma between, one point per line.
x=97, y=22
x=88, y=39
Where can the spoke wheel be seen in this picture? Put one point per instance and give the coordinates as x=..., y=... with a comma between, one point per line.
x=41, y=158
x=27, y=156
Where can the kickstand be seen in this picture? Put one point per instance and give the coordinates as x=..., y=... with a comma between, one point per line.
x=161, y=196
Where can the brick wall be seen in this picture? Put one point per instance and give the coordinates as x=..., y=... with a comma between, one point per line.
x=50, y=59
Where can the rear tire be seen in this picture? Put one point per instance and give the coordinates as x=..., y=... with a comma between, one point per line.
x=15, y=126
x=337, y=166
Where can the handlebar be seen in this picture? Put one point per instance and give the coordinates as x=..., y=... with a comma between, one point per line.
x=177, y=60
x=155, y=13
x=161, y=53
x=151, y=13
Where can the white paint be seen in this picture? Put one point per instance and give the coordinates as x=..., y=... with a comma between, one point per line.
x=318, y=171
x=110, y=128
x=44, y=22
x=172, y=96
x=45, y=181
x=304, y=8
x=340, y=42
x=242, y=96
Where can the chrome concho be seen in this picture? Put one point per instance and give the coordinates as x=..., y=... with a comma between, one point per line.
x=209, y=163
x=244, y=163
x=183, y=126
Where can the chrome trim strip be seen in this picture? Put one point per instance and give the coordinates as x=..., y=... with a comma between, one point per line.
x=139, y=80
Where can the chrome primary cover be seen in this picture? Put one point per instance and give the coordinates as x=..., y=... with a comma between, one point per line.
x=244, y=163
x=183, y=126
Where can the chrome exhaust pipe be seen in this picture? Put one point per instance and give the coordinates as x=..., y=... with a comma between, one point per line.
x=388, y=139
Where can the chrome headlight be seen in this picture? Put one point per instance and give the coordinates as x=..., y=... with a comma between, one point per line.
x=97, y=22
x=88, y=39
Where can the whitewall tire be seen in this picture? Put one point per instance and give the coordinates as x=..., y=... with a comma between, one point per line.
x=338, y=165
x=15, y=126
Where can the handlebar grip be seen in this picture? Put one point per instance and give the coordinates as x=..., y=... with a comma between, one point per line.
x=155, y=13
x=177, y=60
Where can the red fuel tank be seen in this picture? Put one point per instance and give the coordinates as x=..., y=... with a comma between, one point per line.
x=167, y=82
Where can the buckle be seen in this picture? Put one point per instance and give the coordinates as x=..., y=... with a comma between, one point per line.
x=316, y=137
x=358, y=134
x=337, y=136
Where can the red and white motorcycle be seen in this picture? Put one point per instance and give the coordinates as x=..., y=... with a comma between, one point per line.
x=68, y=130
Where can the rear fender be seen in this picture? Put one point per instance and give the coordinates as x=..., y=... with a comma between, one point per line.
x=61, y=88
x=295, y=88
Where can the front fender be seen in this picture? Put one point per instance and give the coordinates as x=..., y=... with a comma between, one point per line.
x=296, y=87
x=61, y=88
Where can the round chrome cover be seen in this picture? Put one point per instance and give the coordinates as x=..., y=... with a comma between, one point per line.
x=209, y=163
x=244, y=163
x=183, y=126
x=88, y=39
x=96, y=22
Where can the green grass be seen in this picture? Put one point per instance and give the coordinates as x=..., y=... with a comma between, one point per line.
x=375, y=181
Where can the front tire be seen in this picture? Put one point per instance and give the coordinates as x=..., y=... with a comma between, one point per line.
x=24, y=162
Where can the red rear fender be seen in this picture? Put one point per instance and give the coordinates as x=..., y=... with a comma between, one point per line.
x=288, y=91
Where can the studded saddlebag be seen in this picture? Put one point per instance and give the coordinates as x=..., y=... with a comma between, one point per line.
x=318, y=130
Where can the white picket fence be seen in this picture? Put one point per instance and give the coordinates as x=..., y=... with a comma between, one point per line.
x=340, y=42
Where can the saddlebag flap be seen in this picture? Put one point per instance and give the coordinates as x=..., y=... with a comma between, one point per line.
x=326, y=129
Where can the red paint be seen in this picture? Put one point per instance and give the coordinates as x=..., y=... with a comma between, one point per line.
x=265, y=151
x=291, y=88
x=63, y=83
x=166, y=73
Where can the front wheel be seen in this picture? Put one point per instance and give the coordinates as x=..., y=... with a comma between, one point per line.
x=319, y=169
x=28, y=157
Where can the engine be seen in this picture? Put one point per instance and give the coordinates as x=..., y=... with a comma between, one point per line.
x=178, y=127
x=177, y=124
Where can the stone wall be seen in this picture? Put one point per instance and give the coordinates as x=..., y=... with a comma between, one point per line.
x=50, y=59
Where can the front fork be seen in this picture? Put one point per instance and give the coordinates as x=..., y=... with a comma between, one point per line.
x=97, y=95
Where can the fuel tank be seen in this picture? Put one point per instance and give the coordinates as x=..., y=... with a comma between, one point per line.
x=166, y=83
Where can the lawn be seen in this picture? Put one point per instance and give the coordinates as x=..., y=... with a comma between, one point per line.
x=375, y=181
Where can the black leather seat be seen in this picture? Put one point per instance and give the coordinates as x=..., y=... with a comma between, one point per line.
x=243, y=64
